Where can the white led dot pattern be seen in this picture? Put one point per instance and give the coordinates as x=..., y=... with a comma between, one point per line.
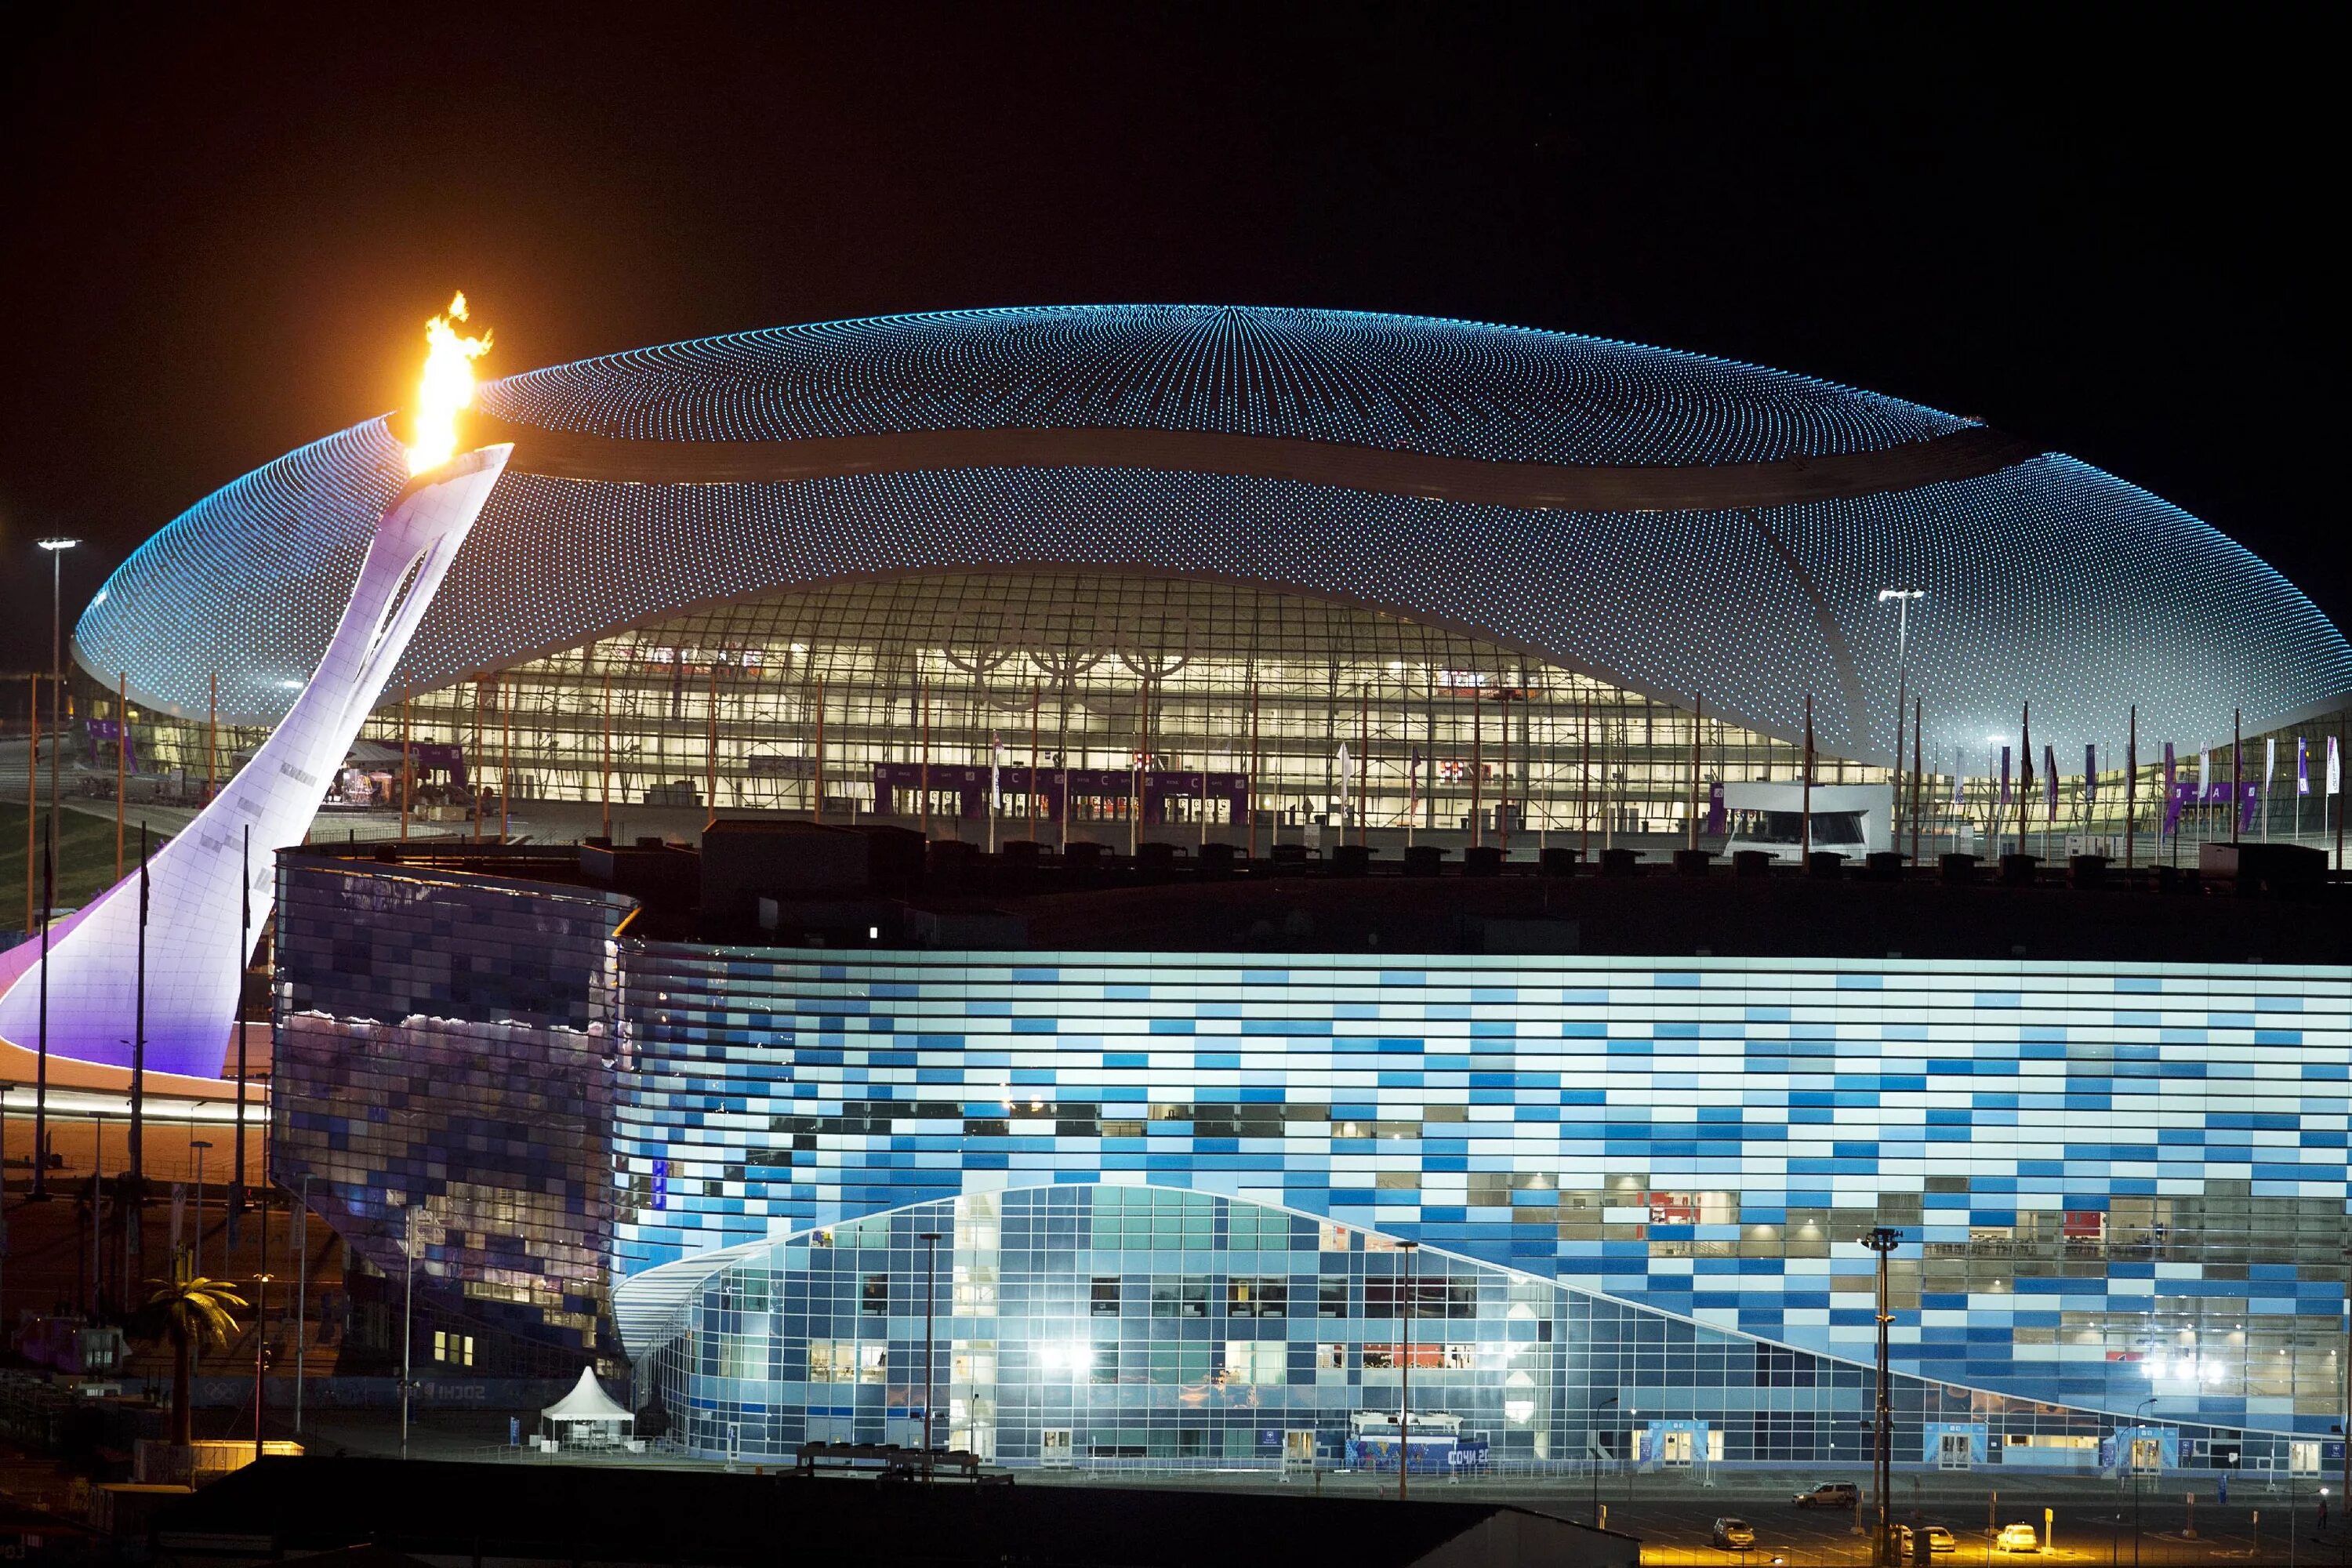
x=2047, y=582
x=1409, y=384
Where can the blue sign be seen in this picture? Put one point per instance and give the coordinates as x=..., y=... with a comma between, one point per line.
x=661, y=1184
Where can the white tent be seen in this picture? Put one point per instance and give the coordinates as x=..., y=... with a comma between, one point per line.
x=588, y=1411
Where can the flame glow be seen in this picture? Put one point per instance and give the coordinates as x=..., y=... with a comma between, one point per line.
x=446, y=389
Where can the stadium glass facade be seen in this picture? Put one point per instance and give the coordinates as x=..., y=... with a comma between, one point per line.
x=1308, y=712
x=2113, y=1186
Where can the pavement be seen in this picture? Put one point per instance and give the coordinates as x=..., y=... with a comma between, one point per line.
x=2094, y=1521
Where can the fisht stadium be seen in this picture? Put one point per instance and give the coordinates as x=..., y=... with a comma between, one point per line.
x=1136, y=965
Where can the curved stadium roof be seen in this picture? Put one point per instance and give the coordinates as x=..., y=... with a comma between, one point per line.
x=1667, y=522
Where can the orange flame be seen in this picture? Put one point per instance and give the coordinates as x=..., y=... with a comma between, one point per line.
x=446, y=389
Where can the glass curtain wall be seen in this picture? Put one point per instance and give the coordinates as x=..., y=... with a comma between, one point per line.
x=1339, y=716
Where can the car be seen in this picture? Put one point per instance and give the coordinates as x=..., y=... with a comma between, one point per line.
x=2019, y=1538
x=1734, y=1534
x=1939, y=1540
x=1831, y=1494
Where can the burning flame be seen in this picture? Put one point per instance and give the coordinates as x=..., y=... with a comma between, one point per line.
x=446, y=389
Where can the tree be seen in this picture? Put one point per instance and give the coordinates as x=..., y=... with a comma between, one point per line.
x=193, y=1313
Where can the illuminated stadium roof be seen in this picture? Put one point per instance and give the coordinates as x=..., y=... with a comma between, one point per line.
x=1669, y=522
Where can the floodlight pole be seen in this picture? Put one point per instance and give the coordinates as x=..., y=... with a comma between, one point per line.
x=1882, y=1240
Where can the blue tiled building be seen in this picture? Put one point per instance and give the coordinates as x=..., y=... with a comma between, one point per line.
x=2112, y=1183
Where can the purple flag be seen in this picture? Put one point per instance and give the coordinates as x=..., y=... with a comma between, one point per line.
x=2183, y=794
x=2090, y=773
x=2004, y=776
x=2172, y=788
x=2301, y=765
x=2050, y=778
x=1715, y=807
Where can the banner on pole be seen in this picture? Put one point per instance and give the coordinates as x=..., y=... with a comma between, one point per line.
x=2090, y=774
x=2050, y=778
x=2301, y=765
x=2004, y=776
x=2335, y=768
x=1959, y=772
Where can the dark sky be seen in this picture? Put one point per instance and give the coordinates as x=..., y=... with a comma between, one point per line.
x=221, y=230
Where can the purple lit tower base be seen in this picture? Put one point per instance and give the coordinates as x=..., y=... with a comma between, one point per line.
x=194, y=963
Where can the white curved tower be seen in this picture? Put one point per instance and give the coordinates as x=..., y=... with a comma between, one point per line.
x=195, y=961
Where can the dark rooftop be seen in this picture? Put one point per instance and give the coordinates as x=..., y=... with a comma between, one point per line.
x=769, y=882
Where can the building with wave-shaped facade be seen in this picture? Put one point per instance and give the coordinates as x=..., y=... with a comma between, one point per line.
x=1138, y=971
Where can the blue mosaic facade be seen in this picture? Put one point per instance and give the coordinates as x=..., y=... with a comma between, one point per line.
x=2112, y=1183
x=443, y=1052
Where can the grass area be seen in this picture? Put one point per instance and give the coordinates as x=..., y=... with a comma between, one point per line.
x=85, y=859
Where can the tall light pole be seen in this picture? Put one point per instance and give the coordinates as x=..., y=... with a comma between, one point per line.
x=1595, y=1424
x=2345, y=1504
x=195, y=1350
x=1902, y=597
x=1405, y=1370
x=1882, y=1240
x=407, y=1334
x=302, y=1282
x=56, y=549
x=260, y=1352
x=930, y=1240
x=200, y=1145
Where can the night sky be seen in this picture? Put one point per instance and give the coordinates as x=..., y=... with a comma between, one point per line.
x=220, y=237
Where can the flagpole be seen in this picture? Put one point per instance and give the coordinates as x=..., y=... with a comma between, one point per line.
x=2131, y=790
x=1805, y=813
x=2237, y=771
x=1918, y=756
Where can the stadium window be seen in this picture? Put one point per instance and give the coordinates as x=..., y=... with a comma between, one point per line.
x=454, y=1349
x=1102, y=1299
x=874, y=1296
x=1331, y=1299
x=1187, y=1297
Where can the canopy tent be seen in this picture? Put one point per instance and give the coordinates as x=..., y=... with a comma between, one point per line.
x=589, y=1406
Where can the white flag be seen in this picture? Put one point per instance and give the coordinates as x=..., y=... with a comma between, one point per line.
x=2204, y=772
x=2335, y=768
x=2270, y=763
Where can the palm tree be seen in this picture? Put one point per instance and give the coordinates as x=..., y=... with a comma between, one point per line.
x=191, y=1311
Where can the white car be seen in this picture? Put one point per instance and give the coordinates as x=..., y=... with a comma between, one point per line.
x=1939, y=1540
x=2019, y=1538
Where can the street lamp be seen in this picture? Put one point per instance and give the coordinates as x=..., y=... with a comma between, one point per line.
x=2132, y=1460
x=1405, y=1370
x=260, y=1354
x=407, y=1332
x=1902, y=597
x=1595, y=1439
x=1882, y=1240
x=195, y=1352
x=200, y=1145
x=930, y=1240
x=56, y=549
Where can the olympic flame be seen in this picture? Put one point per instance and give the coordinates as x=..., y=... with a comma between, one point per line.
x=447, y=388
